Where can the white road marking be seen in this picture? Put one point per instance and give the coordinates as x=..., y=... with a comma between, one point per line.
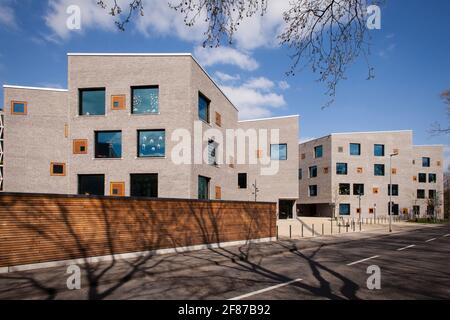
x=410, y=246
x=350, y=264
x=265, y=290
x=432, y=239
x=448, y=234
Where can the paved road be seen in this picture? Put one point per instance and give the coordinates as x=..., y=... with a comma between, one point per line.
x=414, y=264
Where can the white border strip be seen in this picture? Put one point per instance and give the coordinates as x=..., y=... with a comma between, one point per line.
x=271, y=118
x=362, y=260
x=266, y=289
x=34, y=88
x=130, y=255
x=407, y=247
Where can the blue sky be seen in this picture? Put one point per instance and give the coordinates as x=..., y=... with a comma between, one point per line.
x=410, y=55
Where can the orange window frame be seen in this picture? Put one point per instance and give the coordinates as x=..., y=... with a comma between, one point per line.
x=218, y=119
x=25, y=107
x=121, y=99
x=77, y=143
x=218, y=193
x=120, y=186
x=53, y=174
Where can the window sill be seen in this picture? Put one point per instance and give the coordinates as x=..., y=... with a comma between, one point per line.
x=145, y=158
x=143, y=114
x=107, y=158
x=91, y=116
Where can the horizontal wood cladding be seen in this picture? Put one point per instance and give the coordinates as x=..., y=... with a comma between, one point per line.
x=43, y=228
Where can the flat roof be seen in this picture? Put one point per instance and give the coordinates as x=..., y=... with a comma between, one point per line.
x=34, y=88
x=357, y=132
x=270, y=118
x=182, y=54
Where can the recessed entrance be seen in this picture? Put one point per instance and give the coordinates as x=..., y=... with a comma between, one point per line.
x=286, y=209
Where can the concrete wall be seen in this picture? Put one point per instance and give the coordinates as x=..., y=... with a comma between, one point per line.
x=34, y=140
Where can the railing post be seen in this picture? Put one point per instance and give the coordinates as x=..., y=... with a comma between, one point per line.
x=360, y=226
x=323, y=229
x=302, y=230
x=339, y=227
x=331, y=226
x=277, y=232
x=313, y=230
x=290, y=231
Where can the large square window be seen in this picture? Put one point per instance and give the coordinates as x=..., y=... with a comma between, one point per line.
x=144, y=185
x=91, y=184
x=358, y=189
x=431, y=194
x=394, y=189
x=426, y=162
x=432, y=177
x=278, y=151
x=355, y=149
x=318, y=152
x=108, y=144
x=203, y=107
x=344, y=209
x=313, y=171
x=152, y=143
x=145, y=100
x=344, y=189
x=92, y=102
x=203, y=187
x=378, y=150
x=378, y=169
x=420, y=194
x=313, y=191
x=422, y=177
x=341, y=168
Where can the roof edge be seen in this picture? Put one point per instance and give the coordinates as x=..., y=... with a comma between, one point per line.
x=34, y=88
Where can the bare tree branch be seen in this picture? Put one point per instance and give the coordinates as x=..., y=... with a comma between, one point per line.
x=436, y=128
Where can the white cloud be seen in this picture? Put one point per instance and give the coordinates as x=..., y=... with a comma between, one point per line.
x=225, y=77
x=253, y=103
x=7, y=14
x=283, y=85
x=225, y=55
x=261, y=83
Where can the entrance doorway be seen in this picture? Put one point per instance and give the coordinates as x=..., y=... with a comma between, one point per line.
x=286, y=209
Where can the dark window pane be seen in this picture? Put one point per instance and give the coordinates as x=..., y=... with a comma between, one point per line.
x=431, y=194
x=92, y=102
x=422, y=177
x=278, y=151
x=432, y=177
x=344, y=209
x=420, y=194
x=313, y=171
x=91, y=184
x=145, y=100
x=355, y=149
x=378, y=150
x=242, y=180
x=394, y=190
x=379, y=169
x=203, y=188
x=425, y=162
x=152, y=143
x=318, y=152
x=58, y=169
x=300, y=174
x=344, y=189
x=358, y=189
x=108, y=144
x=203, y=107
x=341, y=168
x=144, y=185
x=313, y=191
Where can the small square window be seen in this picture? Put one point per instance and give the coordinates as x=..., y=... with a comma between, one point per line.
x=378, y=169
x=259, y=153
x=80, y=146
x=344, y=189
x=394, y=170
x=438, y=163
x=117, y=189
x=355, y=149
x=414, y=178
x=341, y=168
x=340, y=149
x=303, y=156
x=371, y=210
x=359, y=170
x=18, y=107
x=218, y=193
x=432, y=178
x=422, y=177
x=344, y=209
x=378, y=150
x=358, y=210
x=218, y=119
x=118, y=102
x=375, y=190
x=57, y=169
x=325, y=170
